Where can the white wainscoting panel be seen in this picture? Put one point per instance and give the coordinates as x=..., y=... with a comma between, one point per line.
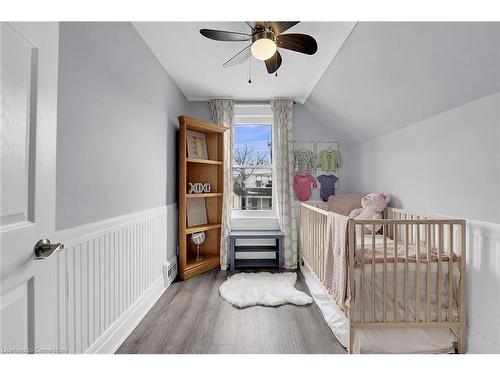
x=483, y=287
x=109, y=275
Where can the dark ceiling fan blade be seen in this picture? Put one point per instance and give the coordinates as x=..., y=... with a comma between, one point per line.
x=298, y=42
x=225, y=36
x=241, y=56
x=273, y=63
x=279, y=27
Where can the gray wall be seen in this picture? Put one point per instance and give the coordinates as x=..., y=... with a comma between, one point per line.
x=199, y=110
x=448, y=164
x=307, y=127
x=117, y=121
x=389, y=75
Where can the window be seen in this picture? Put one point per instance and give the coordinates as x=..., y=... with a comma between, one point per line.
x=252, y=159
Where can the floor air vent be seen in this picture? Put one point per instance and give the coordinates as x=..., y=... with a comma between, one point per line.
x=170, y=270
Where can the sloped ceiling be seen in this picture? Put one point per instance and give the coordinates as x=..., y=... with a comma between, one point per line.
x=390, y=75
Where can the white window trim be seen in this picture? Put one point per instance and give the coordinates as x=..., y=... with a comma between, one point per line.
x=255, y=219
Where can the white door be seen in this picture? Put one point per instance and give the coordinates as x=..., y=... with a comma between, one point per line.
x=28, y=89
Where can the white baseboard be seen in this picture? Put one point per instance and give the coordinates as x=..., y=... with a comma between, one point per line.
x=116, y=334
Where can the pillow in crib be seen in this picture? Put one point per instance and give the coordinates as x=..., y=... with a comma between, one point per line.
x=344, y=204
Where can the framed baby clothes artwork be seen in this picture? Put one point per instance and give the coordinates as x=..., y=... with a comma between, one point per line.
x=304, y=156
x=328, y=157
x=302, y=185
x=196, y=145
x=303, y=161
x=327, y=188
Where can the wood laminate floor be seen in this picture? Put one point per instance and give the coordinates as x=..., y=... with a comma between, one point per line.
x=191, y=317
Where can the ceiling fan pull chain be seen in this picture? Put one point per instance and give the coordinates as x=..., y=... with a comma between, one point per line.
x=250, y=70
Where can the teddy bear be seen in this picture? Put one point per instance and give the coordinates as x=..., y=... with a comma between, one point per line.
x=372, y=206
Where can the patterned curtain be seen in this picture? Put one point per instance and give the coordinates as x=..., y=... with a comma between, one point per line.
x=283, y=179
x=222, y=111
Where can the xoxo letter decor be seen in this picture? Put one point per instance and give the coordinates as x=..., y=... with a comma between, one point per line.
x=199, y=188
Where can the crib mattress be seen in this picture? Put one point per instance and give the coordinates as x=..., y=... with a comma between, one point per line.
x=418, y=340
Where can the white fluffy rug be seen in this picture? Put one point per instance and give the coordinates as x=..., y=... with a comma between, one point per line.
x=263, y=288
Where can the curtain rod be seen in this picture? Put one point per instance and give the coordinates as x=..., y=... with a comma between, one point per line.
x=254, y=102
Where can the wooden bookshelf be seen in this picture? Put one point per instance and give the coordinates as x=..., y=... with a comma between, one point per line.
x=209, y=170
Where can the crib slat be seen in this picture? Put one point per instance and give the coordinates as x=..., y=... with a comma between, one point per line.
x=301, y=248
x=428, y=276
x=395, y=317
x=318, y=242
x=406, y=276
x=316, y=234
x=315, y=246
x=306, y=237
x=417, y=275
x=384, y=228
x=322, y=236
x=325, y=223
x=320, y=246
x=440, y=270
x=303, y=224
x=309, y=247
x=362, y=283
x=450, y=274
x=373, y=274
x=462, y=304
x=351, y=316
x=314, y=228
x=433, y=236
x=411, y=232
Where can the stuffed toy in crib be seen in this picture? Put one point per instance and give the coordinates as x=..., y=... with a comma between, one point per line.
x=372, y=206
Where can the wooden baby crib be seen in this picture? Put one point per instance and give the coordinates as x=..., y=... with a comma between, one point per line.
x=408, y=274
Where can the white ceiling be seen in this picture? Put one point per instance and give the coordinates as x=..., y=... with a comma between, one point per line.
x=195, y=62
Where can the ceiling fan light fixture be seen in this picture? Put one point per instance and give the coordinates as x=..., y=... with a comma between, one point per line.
x=263, y=49
x=263, y=45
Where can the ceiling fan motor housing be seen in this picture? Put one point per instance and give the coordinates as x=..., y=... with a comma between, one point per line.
x=263, y=34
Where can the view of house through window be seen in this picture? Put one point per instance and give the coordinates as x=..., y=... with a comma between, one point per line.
x=252, y=167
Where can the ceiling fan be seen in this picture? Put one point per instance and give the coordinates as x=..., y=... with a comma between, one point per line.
x=265, y=37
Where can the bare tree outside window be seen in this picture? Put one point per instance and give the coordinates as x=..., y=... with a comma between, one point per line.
x=252, y=168
x=247, y=156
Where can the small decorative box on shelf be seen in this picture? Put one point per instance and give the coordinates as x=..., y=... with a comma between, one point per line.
x=254, y=262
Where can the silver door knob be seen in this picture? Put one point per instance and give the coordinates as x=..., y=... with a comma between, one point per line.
x=44, y=248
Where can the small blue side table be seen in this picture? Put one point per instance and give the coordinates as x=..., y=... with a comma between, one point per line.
x=277, y=248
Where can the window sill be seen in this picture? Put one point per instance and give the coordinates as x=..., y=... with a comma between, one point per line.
x=254, y=220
